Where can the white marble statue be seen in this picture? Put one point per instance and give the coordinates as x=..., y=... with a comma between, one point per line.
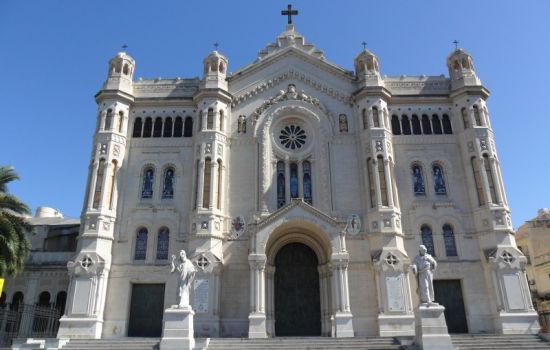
x=423, y=266
x=187, y=272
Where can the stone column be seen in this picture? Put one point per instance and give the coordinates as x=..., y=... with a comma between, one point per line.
x=270, y=296
x=485, y=181
x=496, y=180
x=343, y=319
x=213, y=184
x=222, y=187
x=389, y=183
x=257, y=319
x=200, y=192
x=377, y=182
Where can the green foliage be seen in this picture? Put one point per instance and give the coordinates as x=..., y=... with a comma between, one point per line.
x=14, y=245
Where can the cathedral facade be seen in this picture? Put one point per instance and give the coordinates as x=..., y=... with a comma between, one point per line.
x=301, y=191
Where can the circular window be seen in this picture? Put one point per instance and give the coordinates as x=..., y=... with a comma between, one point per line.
x=292, y=137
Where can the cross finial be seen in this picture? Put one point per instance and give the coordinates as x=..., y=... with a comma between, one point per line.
x=216, y=45
x=289, y=12
x=456, y=44
x=124, y=47
x=364, y=43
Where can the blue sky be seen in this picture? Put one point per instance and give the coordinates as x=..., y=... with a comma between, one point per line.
x=53, y=59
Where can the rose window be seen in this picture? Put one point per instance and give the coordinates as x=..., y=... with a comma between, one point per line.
x=293, y=137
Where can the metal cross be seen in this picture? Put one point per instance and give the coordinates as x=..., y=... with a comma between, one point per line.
x=456, y=44
x=216, y=45
x=289, y=12
x=364, y=43
x=124, y=47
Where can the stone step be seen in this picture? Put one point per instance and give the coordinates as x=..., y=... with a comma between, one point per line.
x=498, y=342
x=305, y=343
x=118, y=344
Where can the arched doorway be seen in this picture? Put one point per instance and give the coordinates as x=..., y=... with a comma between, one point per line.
x=296, y=291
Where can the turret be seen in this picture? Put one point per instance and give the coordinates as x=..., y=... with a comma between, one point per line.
x=215, y=70
x=461, y=70
x=121, y=72
x=367, y=69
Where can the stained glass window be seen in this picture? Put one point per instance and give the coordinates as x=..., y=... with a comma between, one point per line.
x=141, y=244
x=418, y=180
x=168, y=186
x=308, y=198
x=281, y=199
x=163, y=242
x=427, y=239
x=449, y=239
x=294, y=180
x=148, y=178
x=439, y=181
x=292, y=137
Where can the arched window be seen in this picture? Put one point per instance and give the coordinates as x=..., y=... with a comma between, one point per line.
x=395, y=126
x=120, y=121
x=163, y=243
x=206, y=184
x=449, y=240
x=426, y=125
x=210, y=119
x=490, y=178
x=125, y=70
x=418, y=180
x=416, y=128
x=178, y=127
x=294, y=180
x=465, y=118
x=138, y=125
x=427, y=239
x=281, y=197
x=167, y=128
x=141, y=244
x=60, y=302
x=44, y=299
x=382, y=179
x=99, y=183
x=375, y=118
x=308, y=198
x=436, y=124
x=222, y=121
x=157, y=129
x=168, y=183
x=108, y=119
x=477, y=179
x=222, y=67
x=188, y=127
x=365, y=118
x=370, y=176
x=17, y=301
x=405, y=125
x=439, y=180
x=111, y=187
x=447, y=128
x=477, y=117
x=220, y=182
x=147, y=184
x=148, y=127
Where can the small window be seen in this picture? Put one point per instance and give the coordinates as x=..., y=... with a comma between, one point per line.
x=281, y=191
x=449, y=239
x=141, y=244
x=308, y=198
x=210, y=119
x=426, y=125
x=465, y=118
x=157, y=129
x=120, y=121
x=447, y=128
x=375, y=117
x=427, y=239
x=163, y=243
x=222, y=120
x=148, y=127
x=44, y=299
x=294, y=180
x=439, y=180
x=405, y=125
x=108, y=120
x=188, y=127
x=477, y=116
x=148, y=179
x=416, y=128
x=125, y=70
x=395, y=125
x=138, y=125
x=178, y=127
x=436, y=125
x=167, y=128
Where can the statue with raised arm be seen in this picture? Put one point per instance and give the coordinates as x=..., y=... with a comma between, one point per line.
x=423, y=266
x=187, y=272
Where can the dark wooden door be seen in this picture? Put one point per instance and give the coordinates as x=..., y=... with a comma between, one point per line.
x=449, y=294
x=146, y=310
x=297, y=301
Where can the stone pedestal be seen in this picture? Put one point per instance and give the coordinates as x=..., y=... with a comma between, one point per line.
x=257, y=325
x=343, y=325
x=177, y=329
x=431, y=328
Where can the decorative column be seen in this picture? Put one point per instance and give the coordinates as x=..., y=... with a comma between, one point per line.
x=496, y=180
x=343, y=319
x=213, y=184
x=389, y=182
x=377, y=182
x=257, y=327
x=200, y=192
x=270, y=297
x=287, y=181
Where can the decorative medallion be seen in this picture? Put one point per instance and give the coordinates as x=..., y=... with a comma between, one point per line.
x=238, y=226
x=292, y=137
x=354, y=224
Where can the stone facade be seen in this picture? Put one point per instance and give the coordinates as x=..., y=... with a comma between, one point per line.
x=234, y=167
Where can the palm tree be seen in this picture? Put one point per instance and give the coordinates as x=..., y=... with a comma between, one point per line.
x=14, y=246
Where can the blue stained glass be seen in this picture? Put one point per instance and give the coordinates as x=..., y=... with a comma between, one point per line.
x=163, y=242
x=307, y=183
x=141, y=244
x=449, y=239
x=147, y=190
x=168, y=187
x=439, y=181
x=427, y=239
x=294, y=180
x=281, y=199
x=418, y=181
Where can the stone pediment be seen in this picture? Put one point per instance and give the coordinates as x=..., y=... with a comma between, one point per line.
x=297, y=209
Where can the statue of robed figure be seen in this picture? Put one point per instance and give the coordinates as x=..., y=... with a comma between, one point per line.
x=423, y=266
x=187, y=272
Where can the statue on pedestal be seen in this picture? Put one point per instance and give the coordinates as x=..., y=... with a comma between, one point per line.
x=423, y=266
x=187, y=272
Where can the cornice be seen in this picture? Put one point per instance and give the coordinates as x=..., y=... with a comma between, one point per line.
x=115, y=94
x=471, y=91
